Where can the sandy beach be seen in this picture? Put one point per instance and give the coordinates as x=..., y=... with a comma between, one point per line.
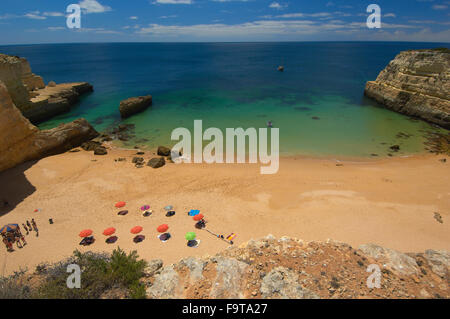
x=386, y=201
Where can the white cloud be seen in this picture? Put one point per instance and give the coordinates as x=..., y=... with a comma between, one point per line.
x=53, y=14
x=36, y=15
x=278, y=6
x=440, y=7
x=93, y=6
x=173, y=2
x=56, y=28
x=298, y=29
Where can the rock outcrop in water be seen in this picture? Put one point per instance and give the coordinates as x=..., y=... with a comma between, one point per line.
x=291, y=268
x=36, y=101
x=134, y=105
x=20, y=141
x=416, y=83
x=54, y=100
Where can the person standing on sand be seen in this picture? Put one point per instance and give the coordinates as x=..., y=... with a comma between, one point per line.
x=16, y=237
x=29, y=225
x=33, y=223
x=22, y=237
x=10, y=240
x=26, y=229
x=5, y=241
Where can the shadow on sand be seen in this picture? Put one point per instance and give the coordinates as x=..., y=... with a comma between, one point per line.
x=14, y=187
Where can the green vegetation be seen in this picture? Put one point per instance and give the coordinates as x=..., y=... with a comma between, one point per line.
x=105, y=276
x=442, y=50
x=12, y=288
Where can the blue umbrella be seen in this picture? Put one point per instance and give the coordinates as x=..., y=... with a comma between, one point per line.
x=194, y=212
x=8, y=228
x=168, y=207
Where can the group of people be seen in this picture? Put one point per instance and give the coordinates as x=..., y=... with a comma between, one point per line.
x=16, y=236
x=29, y=227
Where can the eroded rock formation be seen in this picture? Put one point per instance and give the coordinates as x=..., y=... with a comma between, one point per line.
x=416, y=83
x=36, y=101
x=134, y=105
x=21, y=141
x=294, y=269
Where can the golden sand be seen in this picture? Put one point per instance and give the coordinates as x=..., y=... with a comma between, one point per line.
x=390, y=202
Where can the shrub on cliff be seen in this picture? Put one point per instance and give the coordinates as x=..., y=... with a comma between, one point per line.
x=12, y=288
x=99, y=275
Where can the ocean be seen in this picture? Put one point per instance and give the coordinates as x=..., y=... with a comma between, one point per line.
x=317, y=102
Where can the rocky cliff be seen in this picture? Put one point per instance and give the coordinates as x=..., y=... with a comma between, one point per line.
x=291, y=268
x=28, y=92
x=416, y=83
x=21, y=141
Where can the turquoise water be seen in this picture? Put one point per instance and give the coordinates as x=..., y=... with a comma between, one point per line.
x=237, y=85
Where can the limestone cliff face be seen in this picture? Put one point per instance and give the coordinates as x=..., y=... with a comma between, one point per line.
x=12, y=70
x=21, y=141
x=288, y=268
x=16, y=132
x=29, y=93
x=416, y=83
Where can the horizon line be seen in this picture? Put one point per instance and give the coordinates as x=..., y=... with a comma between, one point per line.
x=206, y=42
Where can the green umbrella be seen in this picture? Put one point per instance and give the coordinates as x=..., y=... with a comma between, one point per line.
x=190, y=236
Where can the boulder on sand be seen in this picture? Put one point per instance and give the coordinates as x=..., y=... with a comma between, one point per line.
x=134, y=105
x=163, y=151
x=156, y=162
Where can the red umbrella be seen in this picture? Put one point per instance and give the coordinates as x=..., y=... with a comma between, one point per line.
x=162, y=228
x=109, y=231
x=86, y=233
x=136, y=229
x=198, y=217
x=120, y=204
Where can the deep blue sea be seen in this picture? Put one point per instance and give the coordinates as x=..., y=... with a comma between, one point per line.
x=237, y=85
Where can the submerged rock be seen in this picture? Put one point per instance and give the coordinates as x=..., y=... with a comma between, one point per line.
x=134, y=105
x=95, y=146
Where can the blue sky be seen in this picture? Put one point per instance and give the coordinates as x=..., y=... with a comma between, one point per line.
x=44, y=21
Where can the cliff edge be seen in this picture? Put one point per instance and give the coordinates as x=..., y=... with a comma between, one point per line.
x=31, y=96
x=416, y=83
x=289, y=268
x=21, y=141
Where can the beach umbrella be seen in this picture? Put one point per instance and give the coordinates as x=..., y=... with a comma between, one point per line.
x=120, y=204
x=136, y=229
x=198, y=217
x=145, y=207
x=109, y=231
x=168, y=207
x=162, y=228
x=194, y=212
x=7, y=228
x=86, y=233
x=190, y=236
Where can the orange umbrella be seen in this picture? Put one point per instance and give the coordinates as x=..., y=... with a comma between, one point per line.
x=198, y=217
x=86, y=233
x=120, y=204
x=162, y=228
x=109, y=231
x=136, y=229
